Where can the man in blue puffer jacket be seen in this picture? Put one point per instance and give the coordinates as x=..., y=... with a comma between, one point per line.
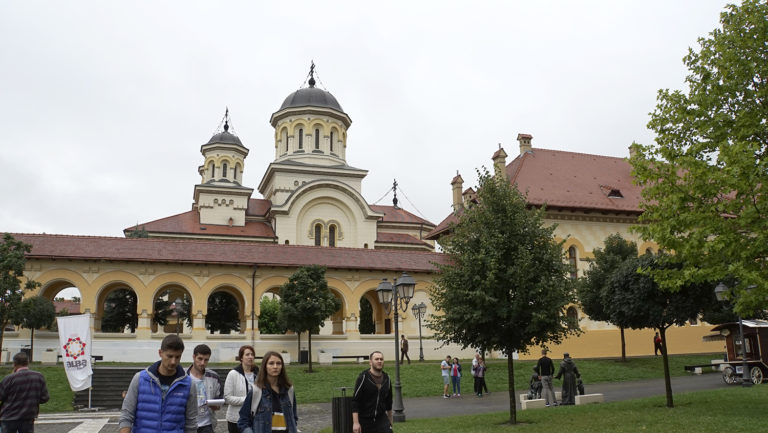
x=160, y=398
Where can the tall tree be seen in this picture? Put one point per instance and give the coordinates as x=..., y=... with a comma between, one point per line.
x=592, y=290
x=120, y=311
x=12, y=262
x=306, y=301
x=705, y=179
x=366, y=317
x=506, y=285
x=638, y=302
x=223, y=313
x=269, y=318
x=172, y=304
x=34, y=313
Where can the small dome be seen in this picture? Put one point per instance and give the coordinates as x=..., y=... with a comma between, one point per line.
x=311, y=96
x=225, y=137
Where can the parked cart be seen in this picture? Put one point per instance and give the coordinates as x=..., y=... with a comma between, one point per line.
x=756, y=345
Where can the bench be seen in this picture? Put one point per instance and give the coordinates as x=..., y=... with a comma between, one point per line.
x=589, y=398
x=532, y=404
x=715, y=365
x=359, y=358
x=524, y=397
x=93, y=358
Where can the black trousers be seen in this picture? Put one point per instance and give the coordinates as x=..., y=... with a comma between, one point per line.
x=380, y=426
x=18, y=426
x=232, y=427
x=479, y=385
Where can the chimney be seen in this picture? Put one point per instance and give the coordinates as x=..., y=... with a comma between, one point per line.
x=525, y=143
x=457, y=184
x=500, y=162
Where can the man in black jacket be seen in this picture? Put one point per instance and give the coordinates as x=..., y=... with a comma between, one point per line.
x=21, y=393
x=372, y=400
x=546, y=369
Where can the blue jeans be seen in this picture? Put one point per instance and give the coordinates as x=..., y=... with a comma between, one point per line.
x=456, y=381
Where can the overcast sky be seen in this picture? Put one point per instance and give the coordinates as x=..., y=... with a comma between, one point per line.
x=104, y=106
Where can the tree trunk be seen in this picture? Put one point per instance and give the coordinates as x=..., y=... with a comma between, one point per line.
x=665, y=359
x=309, y=350
x=2, y=335
x=298, y=349
x=31, y=345
x=623, y=346
x=512, y=396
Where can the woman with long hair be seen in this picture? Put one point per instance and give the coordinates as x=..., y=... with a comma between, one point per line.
x=456, y=377
x=239, y=382
x=271, y=404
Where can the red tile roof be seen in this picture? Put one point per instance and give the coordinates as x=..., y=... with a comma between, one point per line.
x=46, y=246
x=189, y=223
x=399, y=238
x=572, y=180
x=71, y=306
x=398, y=215
x=258, y=207
x=444, y=226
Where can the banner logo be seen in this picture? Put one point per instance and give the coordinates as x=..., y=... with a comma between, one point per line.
x=74, y=348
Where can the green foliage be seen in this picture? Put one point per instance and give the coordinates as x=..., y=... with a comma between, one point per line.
x=12, y=262
x=120, y=311
x=269, y=319
x=637, y=302
x=138, y=233
x=367, y=326
x=592, y=289
x=35, y=312
x=506, y=285
x=705, y=179
x=307, y=302
x=223, y=313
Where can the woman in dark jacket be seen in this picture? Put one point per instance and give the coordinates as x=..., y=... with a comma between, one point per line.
x=271, y=404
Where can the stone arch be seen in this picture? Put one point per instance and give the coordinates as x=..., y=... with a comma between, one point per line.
x=572, y=312
x=101, y=302
x=237, y=296
x=267, y=285
x=648, y=245
x=337, y=318
x=172, y=293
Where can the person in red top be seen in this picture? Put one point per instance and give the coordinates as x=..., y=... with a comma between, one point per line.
x=656, y=344
x=456, y=377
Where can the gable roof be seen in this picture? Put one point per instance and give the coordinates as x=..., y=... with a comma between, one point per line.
x=398, y=215
x=400, y=238
x=571, y=180
x=188, y=223
x=46, y=246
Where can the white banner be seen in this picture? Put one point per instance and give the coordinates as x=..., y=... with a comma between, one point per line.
x=75, y=347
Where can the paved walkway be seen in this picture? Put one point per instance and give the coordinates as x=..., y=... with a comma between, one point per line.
x=315, y=417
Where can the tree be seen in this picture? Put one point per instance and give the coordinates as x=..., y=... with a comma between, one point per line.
x=705, y=179
x=34, y=313
x=307, y=302
x=223, y=313
x=505, y=286
x=638, y=302
x=12, y=262
x=592, y=290
x=138, y=233
x=366, y=318
x=269, y=319
x=120, y=311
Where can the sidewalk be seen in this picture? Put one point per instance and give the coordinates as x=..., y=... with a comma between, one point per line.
x=317, y=416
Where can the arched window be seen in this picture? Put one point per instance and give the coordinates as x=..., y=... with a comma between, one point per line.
x=301, y=138
x=317, y=138
x=318, y=235
x=648, y=251
x=331, y=141
x=332, y=236
x=224, y=170
x=284, y=136
x=572, y=262
x=572, y=313
x=238, y=170
x=212, y=169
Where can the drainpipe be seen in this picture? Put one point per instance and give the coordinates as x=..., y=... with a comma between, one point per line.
x=253, y=304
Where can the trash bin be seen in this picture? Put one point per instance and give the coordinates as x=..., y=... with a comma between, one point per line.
x=304, y=357
x=341, y=411
x=28, y=351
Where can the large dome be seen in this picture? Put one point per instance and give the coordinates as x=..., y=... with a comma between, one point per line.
x=311, y=97
x=225, y=137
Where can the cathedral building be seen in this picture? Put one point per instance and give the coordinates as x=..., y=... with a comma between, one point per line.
x=238, y=246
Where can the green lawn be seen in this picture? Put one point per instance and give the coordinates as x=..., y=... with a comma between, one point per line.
x=732, y=409
x=418, y=379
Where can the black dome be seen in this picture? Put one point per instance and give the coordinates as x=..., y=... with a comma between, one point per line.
x=225, y=137
x=311, y=96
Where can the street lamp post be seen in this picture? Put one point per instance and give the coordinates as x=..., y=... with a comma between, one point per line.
x=746, y=380
x=419, y=310
x=396, y=300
